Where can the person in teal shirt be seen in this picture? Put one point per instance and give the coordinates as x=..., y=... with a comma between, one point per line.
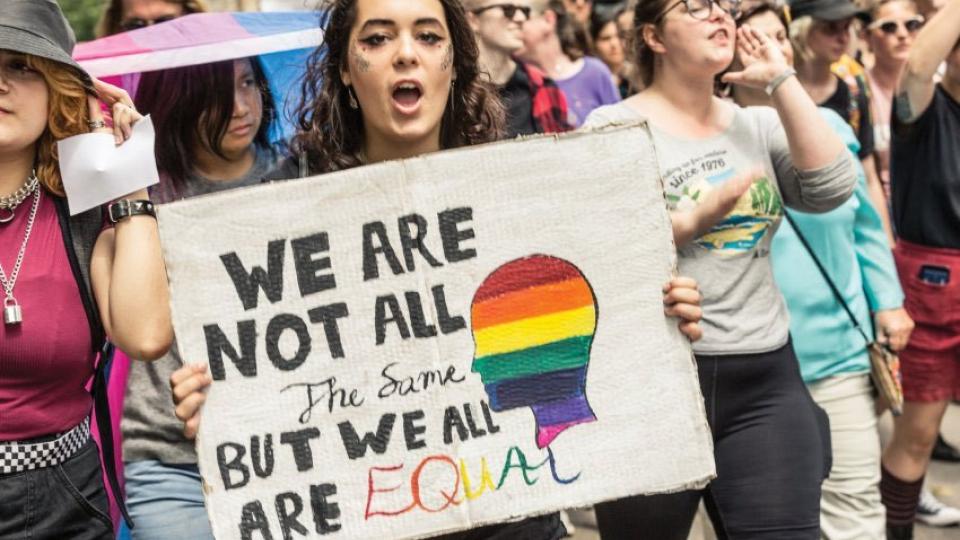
x=851, y=244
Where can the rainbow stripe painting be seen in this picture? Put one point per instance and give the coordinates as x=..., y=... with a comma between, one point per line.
x=533, y=322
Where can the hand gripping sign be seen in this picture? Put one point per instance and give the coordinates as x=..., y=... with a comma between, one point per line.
x=423, y=346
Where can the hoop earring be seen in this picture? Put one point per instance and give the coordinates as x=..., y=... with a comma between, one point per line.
x=353, y=99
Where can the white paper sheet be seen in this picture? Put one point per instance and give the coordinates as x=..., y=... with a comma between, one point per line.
x=95, y=171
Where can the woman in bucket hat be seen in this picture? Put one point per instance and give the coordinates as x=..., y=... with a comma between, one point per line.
x=67, y=283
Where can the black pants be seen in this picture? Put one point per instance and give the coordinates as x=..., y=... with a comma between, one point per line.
x=64, y=501
x=772, y=448
x=548, y=527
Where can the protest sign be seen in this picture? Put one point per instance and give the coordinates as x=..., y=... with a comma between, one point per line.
x=421, y=346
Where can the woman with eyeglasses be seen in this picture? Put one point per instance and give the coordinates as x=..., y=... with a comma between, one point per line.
x=889, y=37
x=126, y=15
x=771, y=441
x=821, y=34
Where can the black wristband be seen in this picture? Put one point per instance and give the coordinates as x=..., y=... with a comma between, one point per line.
x=125, y=208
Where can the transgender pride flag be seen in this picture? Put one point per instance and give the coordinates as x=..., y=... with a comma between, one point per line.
x=281, y=41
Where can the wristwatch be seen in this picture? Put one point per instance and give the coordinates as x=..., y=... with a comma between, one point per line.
x=125, y=208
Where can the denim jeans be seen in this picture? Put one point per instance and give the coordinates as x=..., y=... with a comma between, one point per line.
x=63, y=501
x=166, y=502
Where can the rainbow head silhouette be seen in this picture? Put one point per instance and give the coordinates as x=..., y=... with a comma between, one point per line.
x=533, y=321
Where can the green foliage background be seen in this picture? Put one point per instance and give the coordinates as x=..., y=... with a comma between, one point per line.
x=83, y=16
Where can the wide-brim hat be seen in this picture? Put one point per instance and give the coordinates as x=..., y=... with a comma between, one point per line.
x=38, y=28
x=826, y=10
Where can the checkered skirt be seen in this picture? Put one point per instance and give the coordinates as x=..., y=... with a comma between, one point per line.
x=18, y=457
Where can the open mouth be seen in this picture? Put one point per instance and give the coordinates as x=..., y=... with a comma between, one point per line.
x=720, y=35
x=407, y=96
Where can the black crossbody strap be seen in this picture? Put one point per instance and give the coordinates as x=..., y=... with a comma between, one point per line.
x=826, y=277
x=101, y=409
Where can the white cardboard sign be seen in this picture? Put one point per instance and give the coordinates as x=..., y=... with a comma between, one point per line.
x=429, y=345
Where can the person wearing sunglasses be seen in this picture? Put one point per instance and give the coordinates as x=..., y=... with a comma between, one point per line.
x=925, y=191
x=821, y=36
x=889, y=36
x=532, y=101
x=771, y=441
x=125, y=15
x=550, y=43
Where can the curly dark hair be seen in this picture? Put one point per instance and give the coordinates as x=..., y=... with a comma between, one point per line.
x=330, y=133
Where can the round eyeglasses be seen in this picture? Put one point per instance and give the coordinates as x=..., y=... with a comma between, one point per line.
x=701, y=9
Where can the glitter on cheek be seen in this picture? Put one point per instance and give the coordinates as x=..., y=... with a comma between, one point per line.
x=447, y=58
x=363, y=65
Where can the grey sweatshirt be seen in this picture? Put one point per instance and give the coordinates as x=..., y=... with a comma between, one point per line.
x=743, y=311
x=150, y=429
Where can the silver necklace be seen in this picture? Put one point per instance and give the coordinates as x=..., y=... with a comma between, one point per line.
x=9, y=203
x=12, y=314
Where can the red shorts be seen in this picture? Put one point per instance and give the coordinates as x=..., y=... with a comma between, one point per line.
x=931, y=282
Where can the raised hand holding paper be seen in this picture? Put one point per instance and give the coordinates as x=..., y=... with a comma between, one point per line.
x=96, y=171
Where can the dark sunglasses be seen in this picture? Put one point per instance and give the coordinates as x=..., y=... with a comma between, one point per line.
x=889, y=26
x=701, y=9
x=137, y=23
x=509, y=10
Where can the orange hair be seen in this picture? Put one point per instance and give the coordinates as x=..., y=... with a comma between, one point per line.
x=67, y=115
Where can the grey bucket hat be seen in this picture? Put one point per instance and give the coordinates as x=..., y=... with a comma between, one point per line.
x=38, y=28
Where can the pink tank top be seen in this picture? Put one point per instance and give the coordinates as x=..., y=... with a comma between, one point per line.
x=45, y=361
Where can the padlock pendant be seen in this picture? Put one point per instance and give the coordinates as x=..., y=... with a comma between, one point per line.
x=12, y=314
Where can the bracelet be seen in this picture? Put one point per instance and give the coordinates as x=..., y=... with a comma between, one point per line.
x=778, y=80
x=125, y=208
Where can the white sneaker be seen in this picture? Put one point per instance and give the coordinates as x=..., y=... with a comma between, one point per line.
x=932, y=512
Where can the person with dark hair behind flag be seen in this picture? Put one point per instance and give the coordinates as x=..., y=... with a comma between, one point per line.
x=212, y=135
